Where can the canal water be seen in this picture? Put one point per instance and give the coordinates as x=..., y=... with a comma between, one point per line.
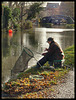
x=35, y=40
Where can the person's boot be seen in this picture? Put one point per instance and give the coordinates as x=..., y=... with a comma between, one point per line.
x=37, y=67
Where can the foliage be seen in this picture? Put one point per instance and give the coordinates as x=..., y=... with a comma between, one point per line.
x=15, y=17
x=6, y=16
x=16, y=12
x=69, y=26
x=11, y=17
x=33, y=10
x=69, y=20
x=16, y=26
x=28, y=24
x=48, y=25
x=69, y=55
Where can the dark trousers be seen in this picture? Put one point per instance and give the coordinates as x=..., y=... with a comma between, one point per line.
x=42, y=61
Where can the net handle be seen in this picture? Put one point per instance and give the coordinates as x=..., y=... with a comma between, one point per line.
x=32, y=56
x=33, y=50
x=29, y=50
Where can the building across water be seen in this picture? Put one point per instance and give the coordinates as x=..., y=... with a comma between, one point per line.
x=57, y=19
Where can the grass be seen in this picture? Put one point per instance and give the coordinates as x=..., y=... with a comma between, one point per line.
x=69, y=56
x=23, y=87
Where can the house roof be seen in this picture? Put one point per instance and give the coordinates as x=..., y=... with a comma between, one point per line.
x=52, y=5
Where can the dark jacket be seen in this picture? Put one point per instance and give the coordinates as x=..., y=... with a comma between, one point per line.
x=54, y=52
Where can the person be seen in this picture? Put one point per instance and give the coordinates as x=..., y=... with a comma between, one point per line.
x=54, y=53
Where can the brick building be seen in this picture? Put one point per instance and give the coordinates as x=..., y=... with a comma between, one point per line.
x=68, y=8
x=52, y=9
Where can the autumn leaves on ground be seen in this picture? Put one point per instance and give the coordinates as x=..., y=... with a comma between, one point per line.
x=26, y=88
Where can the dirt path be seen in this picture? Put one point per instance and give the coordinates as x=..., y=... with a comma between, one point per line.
x=64, y=89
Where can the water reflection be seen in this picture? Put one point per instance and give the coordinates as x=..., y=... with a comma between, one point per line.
x=34, y=40
x=64, y=39
x=25, y=39
x=10, y=53
x=40, y=36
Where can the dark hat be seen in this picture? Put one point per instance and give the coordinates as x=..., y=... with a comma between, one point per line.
x=50, y=39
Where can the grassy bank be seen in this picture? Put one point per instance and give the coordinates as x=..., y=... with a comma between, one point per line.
x=69, y=56
x=24, y=87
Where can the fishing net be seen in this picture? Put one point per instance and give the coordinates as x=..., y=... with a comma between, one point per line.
x=22, y=62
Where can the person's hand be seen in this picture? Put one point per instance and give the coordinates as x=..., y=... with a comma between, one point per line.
x=46, y=49
x=43, y=54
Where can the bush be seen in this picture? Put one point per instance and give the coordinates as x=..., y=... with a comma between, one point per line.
x=48, y=25
x=69, y=26
x=16, y=26
x=28, y=24
x=16, y=12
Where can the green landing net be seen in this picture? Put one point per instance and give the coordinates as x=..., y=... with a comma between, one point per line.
x=22, y=62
